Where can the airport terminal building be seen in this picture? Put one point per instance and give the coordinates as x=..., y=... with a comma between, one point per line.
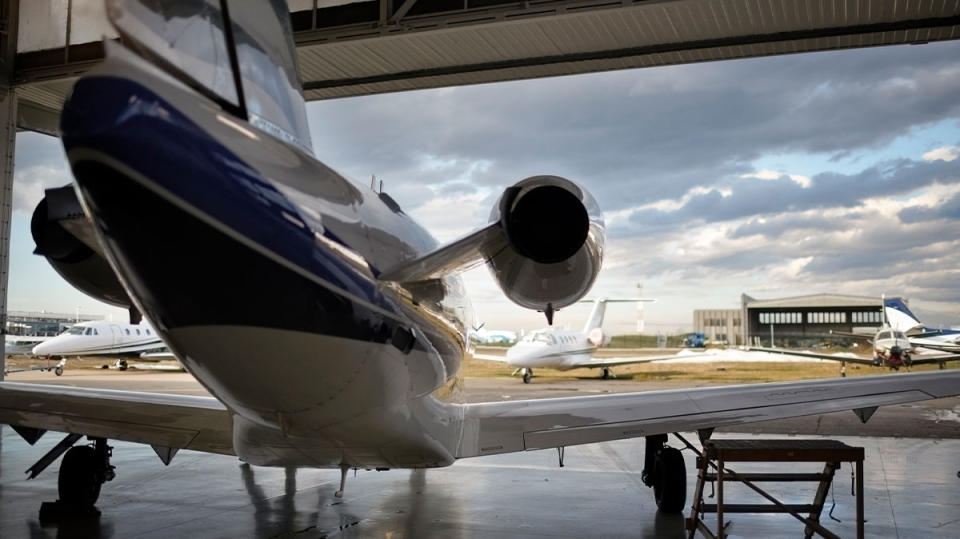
x=807, y=320
x=42, y=323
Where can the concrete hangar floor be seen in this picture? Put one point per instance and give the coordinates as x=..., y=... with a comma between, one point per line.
x=911, y=480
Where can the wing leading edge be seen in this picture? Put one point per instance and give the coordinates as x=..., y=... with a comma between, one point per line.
x=173, y=421
x=504, y=427
x=915, y=360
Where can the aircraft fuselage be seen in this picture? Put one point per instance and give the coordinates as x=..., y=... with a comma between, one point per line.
x=258, y=265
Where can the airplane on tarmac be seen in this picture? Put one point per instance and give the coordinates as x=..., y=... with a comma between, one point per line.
x=900, y=318
x=554, y=348
x=327, y=325
x=481, y=335
x=892, y=347
x=103, y=338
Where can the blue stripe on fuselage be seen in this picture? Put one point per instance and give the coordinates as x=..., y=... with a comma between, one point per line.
x=132, y=124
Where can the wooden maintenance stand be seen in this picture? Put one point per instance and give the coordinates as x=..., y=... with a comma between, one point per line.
x=717, y=453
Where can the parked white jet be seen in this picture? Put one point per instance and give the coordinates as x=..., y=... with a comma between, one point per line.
x=102, y=338
x=554, y=348
x=328, y=326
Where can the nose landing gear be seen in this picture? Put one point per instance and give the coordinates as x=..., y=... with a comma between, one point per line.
x=527, y=374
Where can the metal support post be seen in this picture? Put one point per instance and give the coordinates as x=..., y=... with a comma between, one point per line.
x=8, y=137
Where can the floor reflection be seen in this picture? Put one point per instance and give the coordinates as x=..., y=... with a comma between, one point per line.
x=277, y=514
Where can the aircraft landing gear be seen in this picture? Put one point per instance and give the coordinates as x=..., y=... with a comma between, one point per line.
x=527, y=375
x=665, y=471
x=606, y=374
x=122, y=364
x=83, y=471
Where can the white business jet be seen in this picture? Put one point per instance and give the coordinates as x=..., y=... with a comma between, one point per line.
x=554, y=348
x=328, y=326
x=103, y=338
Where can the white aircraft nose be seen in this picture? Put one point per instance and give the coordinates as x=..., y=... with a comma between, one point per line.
x=46, y=348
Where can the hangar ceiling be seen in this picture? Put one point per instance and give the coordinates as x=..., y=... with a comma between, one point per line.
x=349, y=48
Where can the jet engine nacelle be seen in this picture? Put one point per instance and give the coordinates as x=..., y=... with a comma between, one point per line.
x=57, y=224
x=555, y=232
x=599, y=338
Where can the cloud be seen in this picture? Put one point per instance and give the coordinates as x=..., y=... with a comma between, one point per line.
x=634, y=137
x=948, y=208
x=30, y=183
x=767, y=174
x=945, y=153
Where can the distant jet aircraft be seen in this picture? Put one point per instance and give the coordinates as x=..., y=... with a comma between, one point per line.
x=22, y=344
x=103, y=338
x=493, y=336
x=328, y=326
x=554, y=348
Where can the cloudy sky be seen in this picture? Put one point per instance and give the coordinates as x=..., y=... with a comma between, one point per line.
x=824, y=172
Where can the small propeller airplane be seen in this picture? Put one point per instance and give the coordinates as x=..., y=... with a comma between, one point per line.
x=892, y=347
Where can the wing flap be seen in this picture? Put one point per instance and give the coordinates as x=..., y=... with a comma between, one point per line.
x=176, y=421
x=491, y=428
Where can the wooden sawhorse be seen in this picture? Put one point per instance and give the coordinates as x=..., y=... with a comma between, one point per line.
x=716, y=454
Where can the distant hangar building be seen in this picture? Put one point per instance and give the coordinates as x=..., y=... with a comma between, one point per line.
x=807, y=320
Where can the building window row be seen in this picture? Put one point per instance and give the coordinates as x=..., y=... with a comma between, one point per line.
x=868, y=317
x=781, y=318
x=827, y=318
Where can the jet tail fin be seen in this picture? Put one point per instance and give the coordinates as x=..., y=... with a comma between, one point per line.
x=595, y=320
x=899, y=316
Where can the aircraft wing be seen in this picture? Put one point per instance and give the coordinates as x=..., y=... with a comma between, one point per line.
x=848, y=334
x=171, y=421
x=945, y=347
x=596, y=362
x=814, y=355
x=504, y=427
x=927, y=360
x=491, y=357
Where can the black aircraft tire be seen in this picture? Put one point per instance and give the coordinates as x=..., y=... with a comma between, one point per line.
x=58, y=371
x=526, y=376
x=670, y=481
x=78, y=483
x=606, y=374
